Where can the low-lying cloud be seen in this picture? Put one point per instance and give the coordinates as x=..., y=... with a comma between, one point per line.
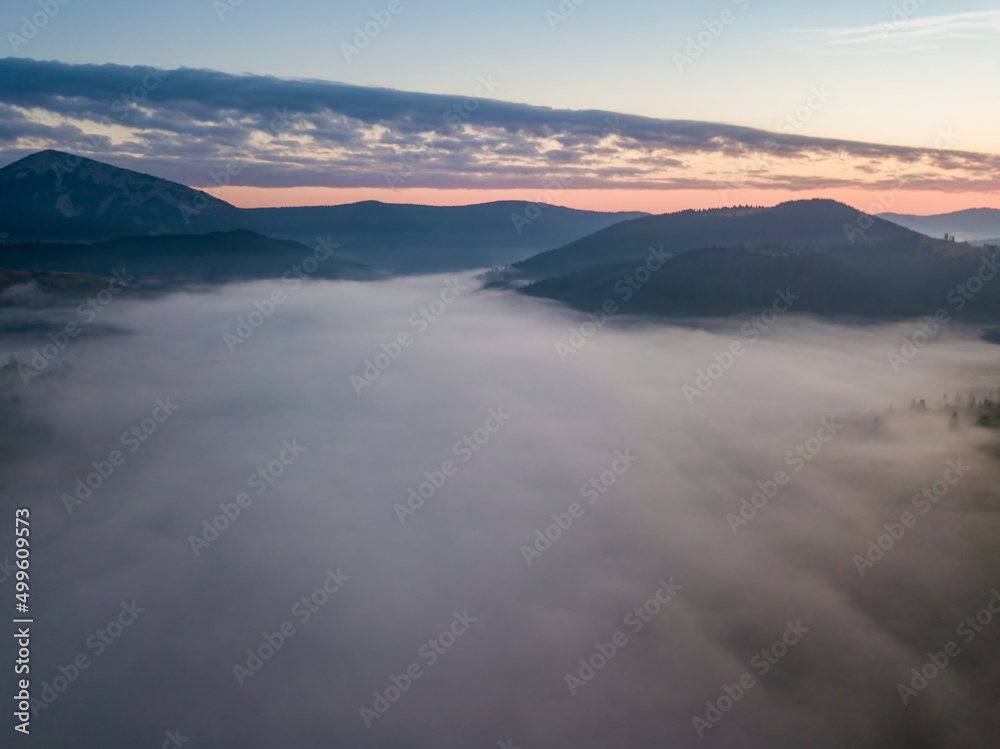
x=310, y=607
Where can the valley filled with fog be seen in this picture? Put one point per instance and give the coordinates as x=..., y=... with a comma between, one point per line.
x=561, y=479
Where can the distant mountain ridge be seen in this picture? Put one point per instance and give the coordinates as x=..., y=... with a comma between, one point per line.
x=714, y=262
x=970, y=225
x=424, y=238
x=58, y=197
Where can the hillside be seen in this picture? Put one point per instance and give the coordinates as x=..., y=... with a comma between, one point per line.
x=898, y=279
x=52, y=195
x=171, y=260
x=24, y=287
x=800, y=223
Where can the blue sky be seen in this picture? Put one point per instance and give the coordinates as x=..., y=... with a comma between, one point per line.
x=897, y=73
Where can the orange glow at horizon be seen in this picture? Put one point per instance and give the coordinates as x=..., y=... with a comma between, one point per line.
x=920, y=202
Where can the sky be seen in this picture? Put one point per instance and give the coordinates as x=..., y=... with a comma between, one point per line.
x=917, y=78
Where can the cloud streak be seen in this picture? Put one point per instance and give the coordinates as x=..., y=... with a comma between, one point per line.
x=902, y=32
x=186, y=124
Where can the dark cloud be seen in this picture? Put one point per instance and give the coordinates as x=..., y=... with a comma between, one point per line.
x=186, y=123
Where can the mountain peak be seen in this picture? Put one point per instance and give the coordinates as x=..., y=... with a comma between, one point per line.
x=40, y=160
x=87, y=199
